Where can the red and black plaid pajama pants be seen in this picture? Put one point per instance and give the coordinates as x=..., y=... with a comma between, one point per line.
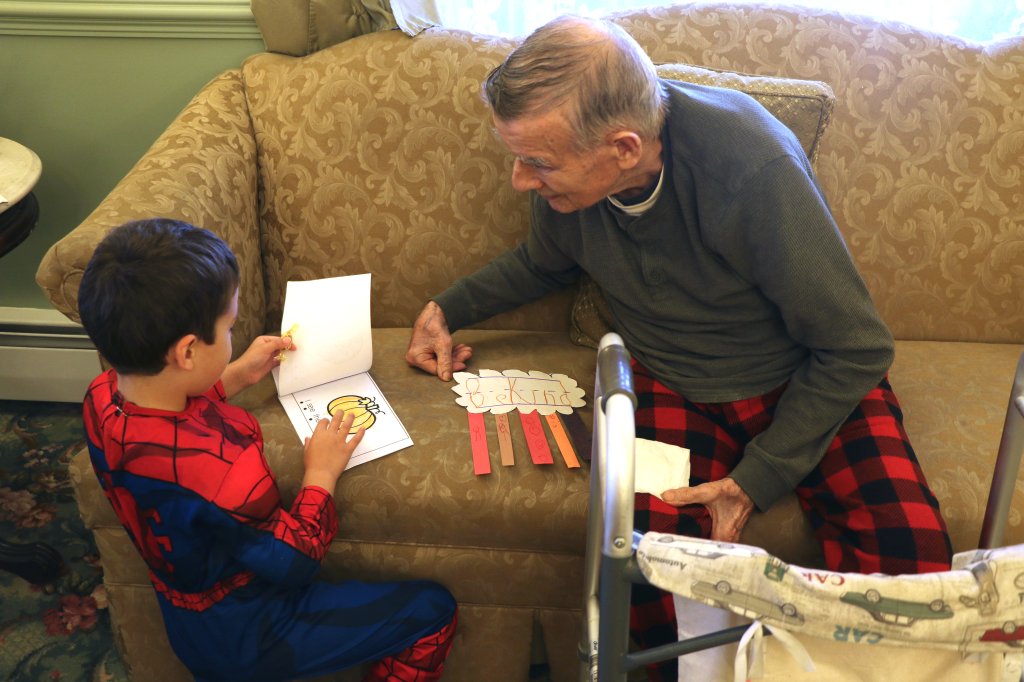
x=867, y=499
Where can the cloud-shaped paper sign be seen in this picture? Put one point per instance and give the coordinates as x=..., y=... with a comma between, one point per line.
x=513, y=389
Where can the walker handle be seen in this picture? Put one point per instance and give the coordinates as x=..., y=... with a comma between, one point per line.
x=614, y=369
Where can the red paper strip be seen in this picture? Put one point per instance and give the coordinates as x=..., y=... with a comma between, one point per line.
x=478, y=438
x=504, y=439
x=540, y=452
x=562, y=439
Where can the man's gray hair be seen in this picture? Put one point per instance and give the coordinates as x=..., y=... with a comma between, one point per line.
x=592, y=65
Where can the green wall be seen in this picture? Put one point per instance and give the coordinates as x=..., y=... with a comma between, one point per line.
x=90, y=106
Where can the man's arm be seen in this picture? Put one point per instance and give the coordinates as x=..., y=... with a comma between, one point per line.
x=523, y=274
x=780, y=235
x=783, y=237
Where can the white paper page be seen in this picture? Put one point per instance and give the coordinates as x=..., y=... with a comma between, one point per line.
x=333, y=338
x=384, y=435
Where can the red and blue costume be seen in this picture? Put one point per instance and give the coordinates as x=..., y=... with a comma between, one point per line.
x=233, y=569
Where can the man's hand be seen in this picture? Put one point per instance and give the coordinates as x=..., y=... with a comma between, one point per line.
x=729, y=506
x=430, y=348
x=262, y=356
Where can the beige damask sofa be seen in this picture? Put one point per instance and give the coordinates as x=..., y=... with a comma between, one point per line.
x=376, y=155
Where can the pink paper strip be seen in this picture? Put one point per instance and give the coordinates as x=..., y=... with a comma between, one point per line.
x=478, y=438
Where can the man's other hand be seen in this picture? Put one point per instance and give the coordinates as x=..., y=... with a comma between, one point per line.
x=430, y=348
x=729, y=506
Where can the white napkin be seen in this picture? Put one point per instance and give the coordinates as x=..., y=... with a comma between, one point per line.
x=660, y=467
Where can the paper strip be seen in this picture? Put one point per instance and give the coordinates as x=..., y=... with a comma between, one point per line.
x=540, y=452
x=478, y=438
x=504, y=430
x=562, y=439
x=579, y=433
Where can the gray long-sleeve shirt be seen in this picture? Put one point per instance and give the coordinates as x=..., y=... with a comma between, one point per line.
x=734, y=282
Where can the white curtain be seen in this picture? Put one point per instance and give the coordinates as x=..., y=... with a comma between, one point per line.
x=970, y=19
x=412, y=16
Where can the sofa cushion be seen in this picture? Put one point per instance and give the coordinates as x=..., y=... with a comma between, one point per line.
x=803, y=106
x=429, y=493
x=299, y=27
x=426, y=499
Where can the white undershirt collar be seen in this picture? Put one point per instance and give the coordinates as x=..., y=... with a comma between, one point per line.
x=643, y=206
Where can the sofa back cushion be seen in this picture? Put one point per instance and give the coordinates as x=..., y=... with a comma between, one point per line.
x=377, y=155
x=924, y=158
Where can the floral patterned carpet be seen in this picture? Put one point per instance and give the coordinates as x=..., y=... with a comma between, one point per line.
x=59, y=631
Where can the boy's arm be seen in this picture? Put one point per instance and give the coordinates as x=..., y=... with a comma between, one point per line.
x=263, y=355
x=287, y=546
x=283, y=546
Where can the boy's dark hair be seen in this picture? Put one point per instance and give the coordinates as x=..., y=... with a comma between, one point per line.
x=151, y=282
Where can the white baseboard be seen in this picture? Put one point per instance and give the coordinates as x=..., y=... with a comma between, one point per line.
x=44, y=356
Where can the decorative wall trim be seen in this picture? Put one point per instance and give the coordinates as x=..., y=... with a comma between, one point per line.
x=220, y=19
x=44, y=356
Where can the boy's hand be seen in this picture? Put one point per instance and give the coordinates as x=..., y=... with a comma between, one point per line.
x=329, y=449
x=255, y=362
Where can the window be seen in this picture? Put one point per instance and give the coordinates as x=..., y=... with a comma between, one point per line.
x=970, y=19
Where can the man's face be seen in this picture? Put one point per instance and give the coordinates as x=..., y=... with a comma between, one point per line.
x=547, y=162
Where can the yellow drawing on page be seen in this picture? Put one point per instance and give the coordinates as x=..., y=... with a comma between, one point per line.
x=365, y=410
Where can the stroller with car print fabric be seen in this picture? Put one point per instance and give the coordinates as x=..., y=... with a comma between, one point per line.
x=963, y=624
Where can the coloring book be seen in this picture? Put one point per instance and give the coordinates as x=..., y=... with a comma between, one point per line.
x=329, y=322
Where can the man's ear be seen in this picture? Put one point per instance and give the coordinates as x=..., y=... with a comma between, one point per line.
x=181, y=354
x=628, y=147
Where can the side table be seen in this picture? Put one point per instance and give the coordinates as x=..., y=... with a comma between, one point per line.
x=20, y=168
x=19, y=211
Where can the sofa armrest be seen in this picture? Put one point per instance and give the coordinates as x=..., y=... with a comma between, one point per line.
x=202, y=170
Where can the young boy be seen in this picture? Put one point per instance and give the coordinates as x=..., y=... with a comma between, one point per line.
x=184, y=470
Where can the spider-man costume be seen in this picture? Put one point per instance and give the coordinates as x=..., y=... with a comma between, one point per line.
x=232, y=568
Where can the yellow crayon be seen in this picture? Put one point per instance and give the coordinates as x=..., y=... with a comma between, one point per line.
x=291, y=332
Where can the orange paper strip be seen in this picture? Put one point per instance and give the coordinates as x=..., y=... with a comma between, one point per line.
x=508, y=458
x=478, y=438
x=540, y=452
x=562, y=438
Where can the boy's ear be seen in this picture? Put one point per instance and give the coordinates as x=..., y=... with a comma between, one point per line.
x=182, y=353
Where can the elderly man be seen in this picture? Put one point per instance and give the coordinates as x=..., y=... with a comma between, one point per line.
x=756, y=343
